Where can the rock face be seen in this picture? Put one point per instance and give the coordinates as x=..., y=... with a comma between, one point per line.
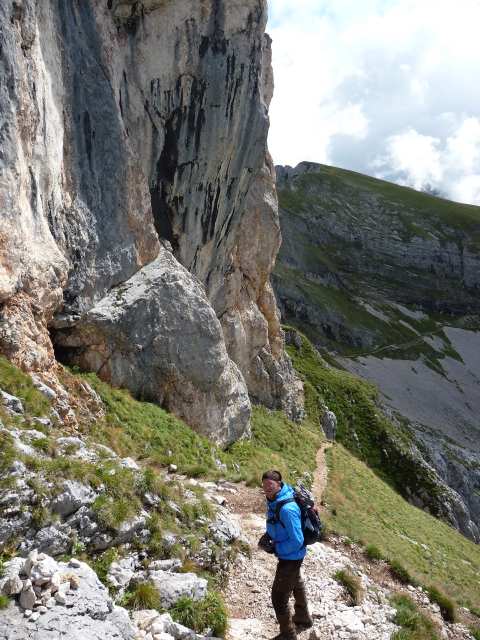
x=157, y=335
x=69, y=601
x=388, y=279
x=123, y=124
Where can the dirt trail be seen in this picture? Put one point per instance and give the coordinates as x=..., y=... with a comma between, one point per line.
x=248, y=592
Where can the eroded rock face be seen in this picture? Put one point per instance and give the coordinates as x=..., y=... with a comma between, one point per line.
x=128, y=122
x=157, y=335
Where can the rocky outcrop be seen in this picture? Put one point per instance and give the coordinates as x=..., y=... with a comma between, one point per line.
x=125, y=123
x=157, y=335
x=65, y=598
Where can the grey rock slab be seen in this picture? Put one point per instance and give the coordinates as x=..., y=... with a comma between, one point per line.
x=224, y=530
x=172, y=586
x=12, y=403
x=74, y=495
x=157, y=335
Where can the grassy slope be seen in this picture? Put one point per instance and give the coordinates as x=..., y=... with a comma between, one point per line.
x=435, y=210
x=151, y=435
x=366, y=509
x=348, y=197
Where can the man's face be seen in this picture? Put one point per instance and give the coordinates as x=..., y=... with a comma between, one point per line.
x=271, y=488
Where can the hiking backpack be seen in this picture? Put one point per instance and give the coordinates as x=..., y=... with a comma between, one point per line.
x=312, y=527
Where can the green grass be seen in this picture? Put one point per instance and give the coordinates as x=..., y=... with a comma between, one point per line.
x=363, y=507
x=475, y=631
x=400, y=573
x=208, y=613
x=101, y=564
x=4, y=601
x=352, y=585
x=17, y=383
x=373, y=552
x=142, y=596
x=414, y=624
x=447, y=606
x=146, y=432
x=277, y=443
x=429, y=209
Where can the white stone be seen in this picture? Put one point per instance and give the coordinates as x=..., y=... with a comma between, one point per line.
x=28, y=599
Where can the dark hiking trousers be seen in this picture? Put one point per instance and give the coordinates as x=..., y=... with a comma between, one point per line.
x=288, y=581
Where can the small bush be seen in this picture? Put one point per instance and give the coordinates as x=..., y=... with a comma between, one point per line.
x=102, y=563
x=112, y=512
x=400, y=573
x=209, y=613
x=4, y=601
x=142, y=596
x=414, y=625
x=447, y=606
x=42, y=444
x=41, y=516
x=373, y=553
x=352, y=585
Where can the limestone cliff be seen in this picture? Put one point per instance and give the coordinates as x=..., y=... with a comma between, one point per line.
x=124, y=126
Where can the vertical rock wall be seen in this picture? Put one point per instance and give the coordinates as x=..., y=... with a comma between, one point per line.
x=122, y=124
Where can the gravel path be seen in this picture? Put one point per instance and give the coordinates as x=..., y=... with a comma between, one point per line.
x=247, y=595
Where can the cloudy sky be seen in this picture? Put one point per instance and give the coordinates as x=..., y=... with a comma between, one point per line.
x=385, y=87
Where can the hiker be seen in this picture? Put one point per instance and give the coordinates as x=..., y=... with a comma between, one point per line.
x=285, y=539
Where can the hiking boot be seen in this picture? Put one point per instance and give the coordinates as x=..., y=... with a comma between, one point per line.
x=287, y=629
x=287, y=635
x=301, y=618
x=303, y=626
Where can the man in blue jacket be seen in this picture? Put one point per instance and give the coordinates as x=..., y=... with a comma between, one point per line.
x=284, y=537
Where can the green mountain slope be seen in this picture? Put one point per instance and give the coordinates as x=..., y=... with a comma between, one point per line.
x=386, y=280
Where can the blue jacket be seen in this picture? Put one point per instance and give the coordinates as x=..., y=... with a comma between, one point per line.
x=288, y=538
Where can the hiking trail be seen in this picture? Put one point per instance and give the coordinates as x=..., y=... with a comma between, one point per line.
x=248, y=592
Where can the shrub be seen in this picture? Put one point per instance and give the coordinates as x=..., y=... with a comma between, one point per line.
x=373, y=552
x=112, y=512
x=414, y=625
x=447, y=606
x=209, y=613
x=400, y=573
x=4, y=601
x=41, y=516
x=143, y=595
x=102, y=563
x=352, y=585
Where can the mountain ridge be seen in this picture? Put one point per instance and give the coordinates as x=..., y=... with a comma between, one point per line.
x=391, y=294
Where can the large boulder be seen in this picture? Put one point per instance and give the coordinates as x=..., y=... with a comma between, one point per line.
x=173, y=586
x=158, y=336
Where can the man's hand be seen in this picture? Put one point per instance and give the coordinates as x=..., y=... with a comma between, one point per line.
x=266, y=544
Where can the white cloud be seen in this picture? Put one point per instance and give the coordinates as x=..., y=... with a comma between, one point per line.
x=414, y=157
x=379, y=85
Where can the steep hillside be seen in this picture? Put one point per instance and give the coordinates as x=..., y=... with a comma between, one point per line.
x=386, y=280
x=153, y=508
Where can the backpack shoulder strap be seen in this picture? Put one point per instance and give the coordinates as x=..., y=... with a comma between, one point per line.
x=278, y=508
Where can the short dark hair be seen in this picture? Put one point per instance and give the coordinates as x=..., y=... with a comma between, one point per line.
x=272, y=474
